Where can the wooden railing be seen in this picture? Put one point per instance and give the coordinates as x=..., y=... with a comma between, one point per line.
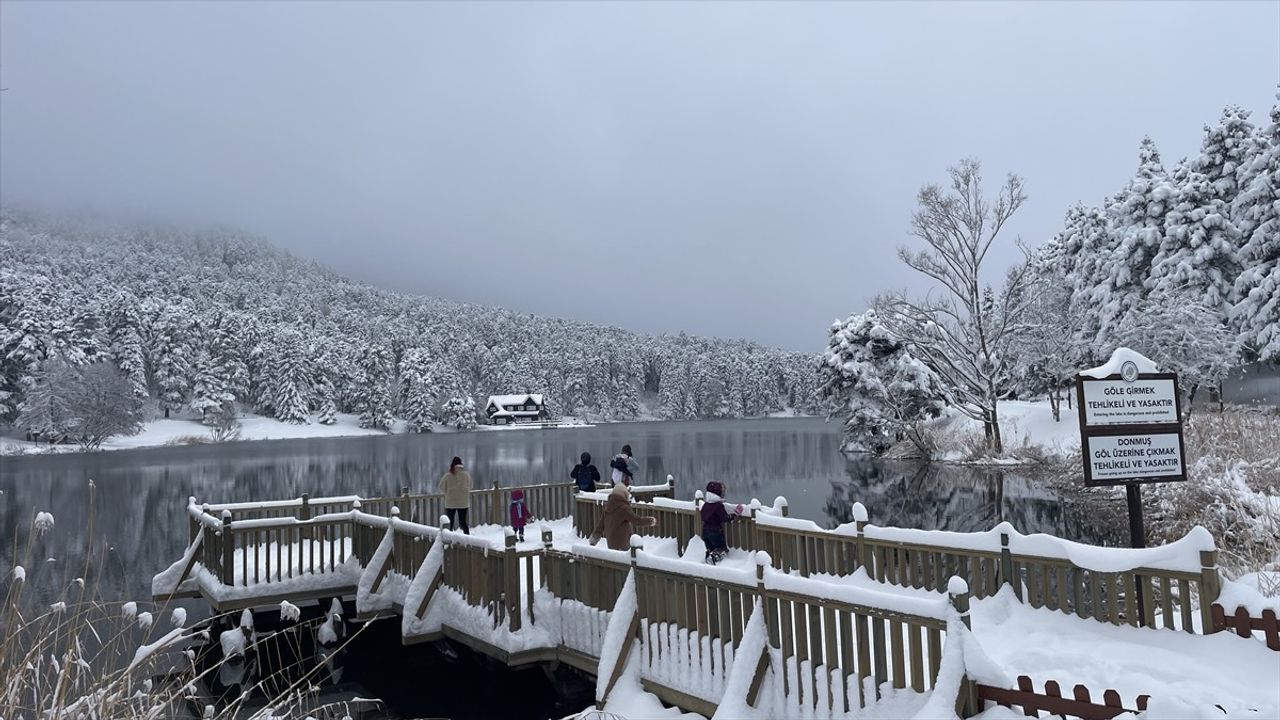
x=677, y=519
x=1138, y=595
x=826, y=633
x=278, y=548
x=294, y=537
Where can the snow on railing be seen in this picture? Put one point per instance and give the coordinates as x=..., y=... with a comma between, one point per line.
x=280, y=504
x=1182, y=555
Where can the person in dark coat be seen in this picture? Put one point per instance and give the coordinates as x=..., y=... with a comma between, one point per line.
x=714, y=516
x=585, y=474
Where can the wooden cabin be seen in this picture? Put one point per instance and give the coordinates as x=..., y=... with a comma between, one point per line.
x=509, y=409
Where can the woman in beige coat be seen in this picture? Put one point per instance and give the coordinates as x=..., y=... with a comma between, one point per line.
x=618, y=522
x=456, y=486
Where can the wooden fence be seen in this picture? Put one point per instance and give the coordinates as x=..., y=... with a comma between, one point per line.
x=1152, y=597
x=278, y=548
x=1244, y=624
x=1079, y=705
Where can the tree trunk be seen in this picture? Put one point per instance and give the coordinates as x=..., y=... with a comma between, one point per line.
x=166, y=412
x=998, y=443
x=1070, y=392
x=1055, y=404
x=1191, y=399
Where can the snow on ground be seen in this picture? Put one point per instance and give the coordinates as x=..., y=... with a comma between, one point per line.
x=1023, y=423
x=1177, y=669
x=176, y=431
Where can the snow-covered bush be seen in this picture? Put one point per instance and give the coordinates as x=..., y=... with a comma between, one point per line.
x=873, y=380
x=1233, y=490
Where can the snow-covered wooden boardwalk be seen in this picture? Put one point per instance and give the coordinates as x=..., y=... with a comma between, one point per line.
x=803, y=621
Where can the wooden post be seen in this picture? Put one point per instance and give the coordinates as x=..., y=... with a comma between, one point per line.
x=228, y=551
x=405, y=507
x=495, y=505
x=305, y=512
x=863, y=559
x=754, y=540
x=762, y=665
x=544, y=564
x=1006, y=566
x=511, y=582
x=786, y=509
x=1210, y=588
x=958, y=592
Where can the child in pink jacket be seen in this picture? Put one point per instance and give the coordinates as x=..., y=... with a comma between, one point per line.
x=520, y=515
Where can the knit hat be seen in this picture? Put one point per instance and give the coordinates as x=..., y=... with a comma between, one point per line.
x=717, y=487
x=626, y=450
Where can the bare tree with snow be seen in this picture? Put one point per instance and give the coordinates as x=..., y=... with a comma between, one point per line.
x=966, y=332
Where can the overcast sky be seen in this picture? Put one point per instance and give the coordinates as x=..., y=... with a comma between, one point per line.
x=734, y=170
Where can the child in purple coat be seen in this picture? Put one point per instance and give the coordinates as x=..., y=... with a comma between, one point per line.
x=714, y=516
x=519, y=513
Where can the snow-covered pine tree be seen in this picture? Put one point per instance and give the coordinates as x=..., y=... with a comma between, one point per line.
x=872, y=379
x=1256, y=313
x=227, y=353
x=673, y=390
x=124, y=340
x=1085, y=249
x=375, y=388
x=1200, y=249
x=459, y=413
x=172, y=356
x=290, y=377
x=417, y=391
x=1137, y=221
x=208, y=393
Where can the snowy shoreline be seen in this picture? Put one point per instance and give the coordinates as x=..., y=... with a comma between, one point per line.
x=178, y=432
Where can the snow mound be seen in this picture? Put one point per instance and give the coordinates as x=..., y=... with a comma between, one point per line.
x=1117, y=361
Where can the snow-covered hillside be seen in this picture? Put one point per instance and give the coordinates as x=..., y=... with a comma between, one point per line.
x=216, y=323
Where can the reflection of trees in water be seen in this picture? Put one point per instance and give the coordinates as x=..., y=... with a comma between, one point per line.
x=141, y=495
x=963, y=499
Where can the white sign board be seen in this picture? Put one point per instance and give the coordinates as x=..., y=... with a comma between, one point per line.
x=1126, y=457
x=1141, y=402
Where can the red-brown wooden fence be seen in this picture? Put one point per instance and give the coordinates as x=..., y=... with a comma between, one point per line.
x=1244, y=624
x=1079, y=705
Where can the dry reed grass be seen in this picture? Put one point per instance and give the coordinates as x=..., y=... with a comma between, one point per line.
x=88, y=658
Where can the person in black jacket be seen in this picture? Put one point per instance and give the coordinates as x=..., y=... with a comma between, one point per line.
x=585, y=474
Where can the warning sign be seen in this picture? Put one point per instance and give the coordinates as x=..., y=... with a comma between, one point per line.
x=1134, y=457
x=1141, y=402
x=1130, y=427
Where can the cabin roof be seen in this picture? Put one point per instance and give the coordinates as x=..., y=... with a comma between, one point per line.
x=500, y=400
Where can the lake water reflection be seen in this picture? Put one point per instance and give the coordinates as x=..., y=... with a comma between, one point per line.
x=140, y=494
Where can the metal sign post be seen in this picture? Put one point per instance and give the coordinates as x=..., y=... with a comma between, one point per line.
x=1131, y=433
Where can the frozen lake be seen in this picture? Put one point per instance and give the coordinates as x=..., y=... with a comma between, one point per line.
x=140, y=493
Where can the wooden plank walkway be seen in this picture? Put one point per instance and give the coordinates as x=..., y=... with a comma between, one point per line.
x=830, y=642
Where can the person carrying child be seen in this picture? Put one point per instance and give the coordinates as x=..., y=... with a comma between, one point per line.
x=714, y=516
x=520, y=514
x=624, y=467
